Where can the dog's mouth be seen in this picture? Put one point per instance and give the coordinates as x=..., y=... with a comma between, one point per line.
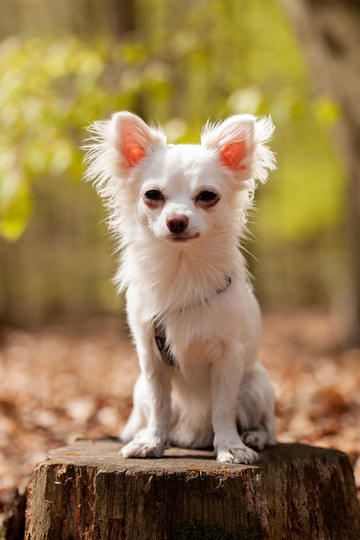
x=184, y=238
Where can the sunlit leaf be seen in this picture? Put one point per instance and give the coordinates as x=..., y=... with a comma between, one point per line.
x=247, y=100
x=174, y=129
x=15, y=213
x=326, y=111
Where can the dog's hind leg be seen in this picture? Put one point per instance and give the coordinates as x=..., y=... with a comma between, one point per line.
x=138, y=418
x=255, y=410
x=258, y=438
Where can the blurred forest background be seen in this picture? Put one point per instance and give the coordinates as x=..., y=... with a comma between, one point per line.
x=65, y=64
x=66, y=367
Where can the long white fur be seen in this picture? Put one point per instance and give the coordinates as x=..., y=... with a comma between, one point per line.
x=219, y=394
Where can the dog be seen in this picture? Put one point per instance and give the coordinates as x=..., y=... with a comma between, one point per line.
x=177, y=212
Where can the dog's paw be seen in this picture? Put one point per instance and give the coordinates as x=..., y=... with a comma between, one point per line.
x=255, y=439
x=141, y=448
x=240, y=454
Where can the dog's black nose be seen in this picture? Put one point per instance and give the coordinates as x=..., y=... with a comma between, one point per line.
x=177, y=224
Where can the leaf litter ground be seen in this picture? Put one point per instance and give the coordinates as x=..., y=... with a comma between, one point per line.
x=59, y=383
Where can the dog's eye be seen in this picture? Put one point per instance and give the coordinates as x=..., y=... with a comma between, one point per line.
x=153, y=196
x=207, y=197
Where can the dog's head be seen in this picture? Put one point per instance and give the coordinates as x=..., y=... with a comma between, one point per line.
x=179, y=193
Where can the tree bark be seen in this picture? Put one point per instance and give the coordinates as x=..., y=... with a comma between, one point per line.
x=87, y=491
x=15, y=523
x=329, y=33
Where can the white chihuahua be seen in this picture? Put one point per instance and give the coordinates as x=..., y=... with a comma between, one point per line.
x=178, y=211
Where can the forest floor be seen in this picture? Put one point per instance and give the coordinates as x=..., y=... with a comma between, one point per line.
x=60, y=383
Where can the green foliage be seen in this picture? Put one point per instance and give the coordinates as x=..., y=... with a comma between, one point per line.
x=185, y=63
x=49, y=92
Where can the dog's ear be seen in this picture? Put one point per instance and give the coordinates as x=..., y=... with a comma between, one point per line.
x=115, y=147
x=239, y=143
x=133, y=139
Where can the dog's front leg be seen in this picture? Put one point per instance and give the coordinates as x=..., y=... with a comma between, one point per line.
x=151, y=440
x=226, y=376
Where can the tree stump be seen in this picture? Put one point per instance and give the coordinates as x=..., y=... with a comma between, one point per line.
x=87, y=491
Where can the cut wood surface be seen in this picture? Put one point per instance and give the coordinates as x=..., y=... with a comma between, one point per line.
x=87, y=491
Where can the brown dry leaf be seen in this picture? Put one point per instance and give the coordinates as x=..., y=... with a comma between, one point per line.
x=337, y=403
x=77, y=512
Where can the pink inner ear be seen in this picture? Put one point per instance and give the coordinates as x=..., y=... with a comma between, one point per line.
x=232, y=154
x=132, y=150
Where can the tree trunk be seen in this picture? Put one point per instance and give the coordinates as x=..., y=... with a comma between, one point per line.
x=124, y=15
x=87, y=491
x=329, y=33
